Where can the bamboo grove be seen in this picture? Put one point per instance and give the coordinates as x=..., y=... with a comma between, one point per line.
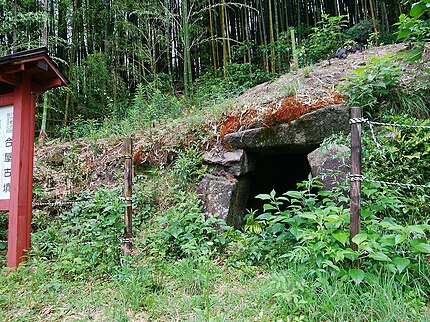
x=108, y=47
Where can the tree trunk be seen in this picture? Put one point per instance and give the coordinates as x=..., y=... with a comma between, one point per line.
x=212, y=36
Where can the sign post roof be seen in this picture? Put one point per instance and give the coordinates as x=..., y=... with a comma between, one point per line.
x=36, y=62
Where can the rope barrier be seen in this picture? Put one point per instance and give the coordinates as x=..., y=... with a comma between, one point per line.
x=358, y=120
x=399, y=125
x=406, y=185
x=359, y=177
x=87, y=243
x=76, y=202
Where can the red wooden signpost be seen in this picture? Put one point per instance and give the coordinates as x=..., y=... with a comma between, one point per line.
x=21, y=76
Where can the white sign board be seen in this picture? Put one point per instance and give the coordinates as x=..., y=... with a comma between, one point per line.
x=6, y=125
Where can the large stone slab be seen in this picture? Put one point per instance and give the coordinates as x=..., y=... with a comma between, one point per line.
x=330, y=164
x=224, y=196
x=310, y=129
x=236, y=163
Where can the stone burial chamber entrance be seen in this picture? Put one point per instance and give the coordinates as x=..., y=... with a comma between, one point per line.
x=260, y=160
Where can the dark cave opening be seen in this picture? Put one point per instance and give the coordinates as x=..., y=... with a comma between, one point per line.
x=279, y=172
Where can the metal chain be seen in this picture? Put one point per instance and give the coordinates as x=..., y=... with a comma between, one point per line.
x=87, y=243
x=62, y=203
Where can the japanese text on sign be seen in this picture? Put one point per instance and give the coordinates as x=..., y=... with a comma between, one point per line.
x=6, y=123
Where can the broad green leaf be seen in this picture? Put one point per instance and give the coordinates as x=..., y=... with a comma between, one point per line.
x=265, y=216
x=379, y=256
x=175, y=232
x=294, y=194
x=277, y=228
x=420, y=246
x=401, y=263
x=388, y=240
x=415, y=229
x=325, y=193
x=400, y=238
x=357, y=275
x=268, y=206
x=359, y=238
x=263, y=196
x=308, y=216
x=417, y=10
x=415, y=54
x=341, y=237
x=295, y=231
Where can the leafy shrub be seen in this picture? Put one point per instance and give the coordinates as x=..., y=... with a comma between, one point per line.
x=316, y=226
x=360, y=32
x=415, y=27
x=85, y=240
x=151, y=104
x=237, y=78
x=324, y=40
x=185, y=231
x=378, y=86
x=188, y=167
x=403, y=156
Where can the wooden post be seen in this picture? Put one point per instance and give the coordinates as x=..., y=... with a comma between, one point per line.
x=22, y=173
x=355, y=193
x=21, y=76
x=128, y=177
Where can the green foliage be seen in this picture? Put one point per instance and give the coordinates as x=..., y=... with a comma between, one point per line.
x=324, y=40
x=238, y=77
x=403, y=156
x=151, y=104
x=415, y=27
x=85, y=240
x=379, y=86
x=315, y=226
x=188, y=167
x=360, y=32
x=187, y=232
